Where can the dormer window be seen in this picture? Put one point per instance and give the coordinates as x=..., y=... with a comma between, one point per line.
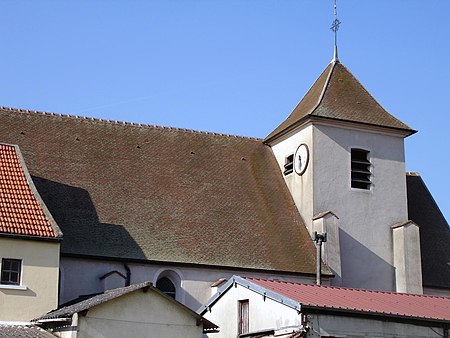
x=289, y=165
x=360, y=169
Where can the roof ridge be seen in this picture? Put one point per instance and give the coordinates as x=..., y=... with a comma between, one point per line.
x=325, y=87
x=125, y=123
x=321, y=94
x=348, y=288
x=92, y=301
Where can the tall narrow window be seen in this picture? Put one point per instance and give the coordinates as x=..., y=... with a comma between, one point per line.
x=166, y=286
x=10, y=273
x=243, y=320
x=288, y=164
x=360, y=169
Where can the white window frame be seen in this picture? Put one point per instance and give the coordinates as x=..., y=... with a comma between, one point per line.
x=20, y=286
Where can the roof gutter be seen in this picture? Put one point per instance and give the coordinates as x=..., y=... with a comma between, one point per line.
x=196, y=265
x=377, y=315
x=31, y=237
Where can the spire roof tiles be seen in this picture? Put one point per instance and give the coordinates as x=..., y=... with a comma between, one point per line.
x=338, y=95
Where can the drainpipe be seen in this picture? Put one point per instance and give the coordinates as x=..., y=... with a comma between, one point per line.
x=128, y=279
x=319, y=239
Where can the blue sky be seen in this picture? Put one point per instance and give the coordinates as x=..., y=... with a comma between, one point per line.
x=236, y=67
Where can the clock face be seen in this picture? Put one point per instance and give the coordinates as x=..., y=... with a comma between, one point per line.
x=301, y=159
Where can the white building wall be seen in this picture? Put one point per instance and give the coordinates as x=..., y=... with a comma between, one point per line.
x=38, y=290
x=408, y=273
x=301, y=187
x=81, y=277
x=138, y=314
x=345, y=326
x=365, y=216
x=264, y=313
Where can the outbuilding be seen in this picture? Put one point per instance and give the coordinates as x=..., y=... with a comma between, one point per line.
x=250, y=307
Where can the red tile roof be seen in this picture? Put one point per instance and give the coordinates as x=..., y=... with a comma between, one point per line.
x=358, y=300
x=21, y=213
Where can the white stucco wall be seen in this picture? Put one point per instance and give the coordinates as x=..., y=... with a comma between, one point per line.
x=408, y=273
x=38, y=292
x=138, y=314
x=365, y=216
x=301, y=187
x=81, y=276
x=331, y=250
x=345, y=326
x=263, y=313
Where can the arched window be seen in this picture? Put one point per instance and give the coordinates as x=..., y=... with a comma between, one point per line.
x=169, y=282
x=166, y=286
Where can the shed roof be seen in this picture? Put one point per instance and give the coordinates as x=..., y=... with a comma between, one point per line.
x=362, y=301
x=86, y=304
x=22, y=212
x=300, y=296
x=338, y=95
x=131, y=191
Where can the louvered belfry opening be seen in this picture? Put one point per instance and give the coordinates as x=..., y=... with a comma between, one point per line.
x=360, y=169
x=289, y=164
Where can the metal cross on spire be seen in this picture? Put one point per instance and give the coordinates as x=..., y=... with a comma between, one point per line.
x=335, y=28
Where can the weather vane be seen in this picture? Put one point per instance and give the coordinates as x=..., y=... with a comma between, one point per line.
x=335, y=28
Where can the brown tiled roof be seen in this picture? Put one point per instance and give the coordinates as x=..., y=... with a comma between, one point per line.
x=21, y=212
x=338, y=95
x=122, y=190
x=434, y=233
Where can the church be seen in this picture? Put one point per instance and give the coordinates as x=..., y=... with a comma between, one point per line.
x=124, y=203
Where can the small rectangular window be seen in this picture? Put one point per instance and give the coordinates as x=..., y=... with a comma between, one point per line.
x=243, y=321
x=10, y=272
x=360, y=169
x=289, y=165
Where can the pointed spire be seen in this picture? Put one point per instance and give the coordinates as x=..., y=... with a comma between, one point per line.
x=336, y=97
x=335, y=28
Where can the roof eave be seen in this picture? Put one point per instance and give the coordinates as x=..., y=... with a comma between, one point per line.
x=31, y=237
x=197, y=265
x=253, y=287
x=312, y=118
x=372, y=314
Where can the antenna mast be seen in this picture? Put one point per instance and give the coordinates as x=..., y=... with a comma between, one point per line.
x=335, y=28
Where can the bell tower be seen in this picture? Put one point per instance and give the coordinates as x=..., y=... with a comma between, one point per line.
x=342, y=157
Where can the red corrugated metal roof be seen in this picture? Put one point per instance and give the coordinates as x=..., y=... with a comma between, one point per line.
x=20, y=211
x=375, y=302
